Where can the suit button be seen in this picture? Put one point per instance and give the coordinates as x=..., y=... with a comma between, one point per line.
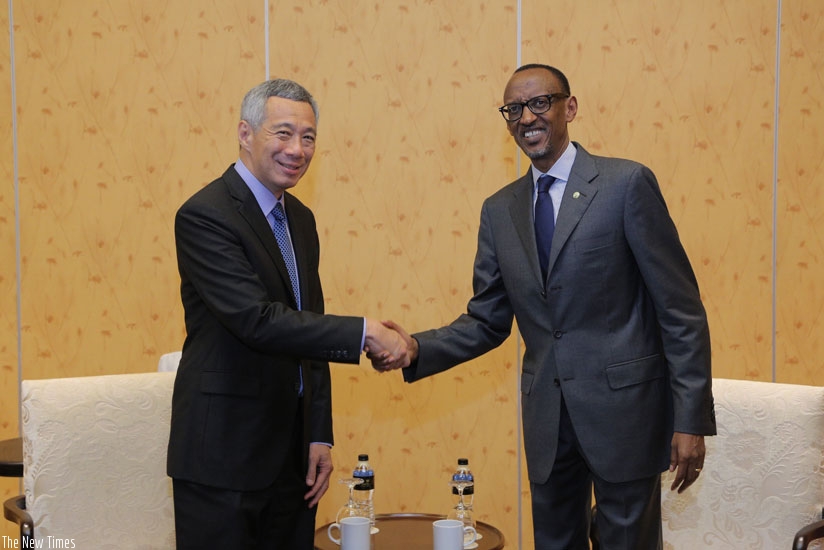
x=557, y=334
x=557, y=382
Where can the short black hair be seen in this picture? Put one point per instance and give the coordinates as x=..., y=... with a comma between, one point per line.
x=558, y=74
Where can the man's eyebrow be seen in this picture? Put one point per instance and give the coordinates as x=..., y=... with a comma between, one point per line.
x=293, y=127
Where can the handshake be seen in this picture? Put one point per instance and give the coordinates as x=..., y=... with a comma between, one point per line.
x=389, y=346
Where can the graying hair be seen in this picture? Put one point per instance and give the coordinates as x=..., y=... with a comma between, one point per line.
x=253, y=107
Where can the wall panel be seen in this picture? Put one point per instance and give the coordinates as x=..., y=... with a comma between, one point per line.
x=9, y=417
x=800, y=202
x=410, y=144
x=125, y=109
x=688, y=90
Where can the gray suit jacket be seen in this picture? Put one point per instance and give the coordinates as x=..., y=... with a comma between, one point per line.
x=617, y=328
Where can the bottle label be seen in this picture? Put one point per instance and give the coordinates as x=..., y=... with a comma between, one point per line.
x=368, y=483
x=463, y=477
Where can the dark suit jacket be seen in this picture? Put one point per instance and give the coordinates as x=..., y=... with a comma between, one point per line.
x=617, y=328
x=236, y=393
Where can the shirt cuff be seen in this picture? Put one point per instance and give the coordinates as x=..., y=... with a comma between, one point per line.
x=363, y=335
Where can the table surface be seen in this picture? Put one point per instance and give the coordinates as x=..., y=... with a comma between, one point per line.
x=411, y=531
x=11, y=457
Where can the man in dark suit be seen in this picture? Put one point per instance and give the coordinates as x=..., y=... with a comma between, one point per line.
x=251, y=429
x=616, y=383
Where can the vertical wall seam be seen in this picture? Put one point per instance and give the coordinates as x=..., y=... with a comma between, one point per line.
x=266, y=35
x=775, y=193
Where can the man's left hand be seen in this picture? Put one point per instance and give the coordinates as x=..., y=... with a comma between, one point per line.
x=317, y=476
x=686, y=459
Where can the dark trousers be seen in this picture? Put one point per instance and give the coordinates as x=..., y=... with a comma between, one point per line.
x=274, y=518
x=629, y=514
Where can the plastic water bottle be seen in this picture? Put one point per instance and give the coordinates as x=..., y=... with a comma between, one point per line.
x=463, y=505
x=464, y=474
x=364, y=492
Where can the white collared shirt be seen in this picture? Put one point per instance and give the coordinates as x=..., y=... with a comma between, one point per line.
x=265, y=198
x=560, y=171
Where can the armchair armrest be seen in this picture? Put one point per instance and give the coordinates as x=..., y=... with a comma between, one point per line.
x=14, y=509
x=807, y=534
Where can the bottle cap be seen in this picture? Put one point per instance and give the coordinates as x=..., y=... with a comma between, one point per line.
x=363, y=458
x=463, y=462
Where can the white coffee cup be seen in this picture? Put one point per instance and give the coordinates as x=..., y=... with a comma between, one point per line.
x=354, y=533
x=448, y=534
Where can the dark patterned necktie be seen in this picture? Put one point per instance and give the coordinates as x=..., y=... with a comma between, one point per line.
x=544, y=221
x=285, y=245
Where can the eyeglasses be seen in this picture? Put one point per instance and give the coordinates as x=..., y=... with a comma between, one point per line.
x=538, y=105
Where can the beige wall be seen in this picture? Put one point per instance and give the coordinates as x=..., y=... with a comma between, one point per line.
x=126, y=108
x=9, y=381
x=800, y=198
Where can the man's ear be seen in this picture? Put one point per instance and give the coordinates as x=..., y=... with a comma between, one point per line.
x=244, y=134
x=571, y=109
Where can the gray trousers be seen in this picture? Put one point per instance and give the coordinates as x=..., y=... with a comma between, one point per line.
x=628, y=515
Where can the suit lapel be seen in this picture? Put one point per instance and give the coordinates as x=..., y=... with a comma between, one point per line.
x=578, y=196
x=249, y=210
x=522, y=212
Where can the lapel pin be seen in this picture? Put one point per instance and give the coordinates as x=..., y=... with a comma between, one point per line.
x=576, y=195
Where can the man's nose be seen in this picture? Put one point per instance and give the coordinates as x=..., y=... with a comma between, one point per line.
x=295, y=147
x=527, y=116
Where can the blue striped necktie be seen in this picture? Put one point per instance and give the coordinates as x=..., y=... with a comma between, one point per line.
x=544, y=221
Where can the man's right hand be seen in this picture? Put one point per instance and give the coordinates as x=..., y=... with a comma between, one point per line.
x=383, y=363
x=386, y=347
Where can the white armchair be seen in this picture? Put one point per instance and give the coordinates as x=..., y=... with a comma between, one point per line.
x=762, y=486
x=94, y=454
x=169, y=361
x=763, y=478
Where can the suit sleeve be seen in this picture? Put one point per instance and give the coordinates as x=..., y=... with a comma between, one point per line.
x=485, y=325
x=320, y=404
x=228, y=278
x=671, y=283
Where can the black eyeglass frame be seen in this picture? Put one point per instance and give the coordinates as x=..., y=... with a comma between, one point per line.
x=550, y=100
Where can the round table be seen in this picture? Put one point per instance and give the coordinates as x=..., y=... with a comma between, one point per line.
x=410, y=532
x=11, y=457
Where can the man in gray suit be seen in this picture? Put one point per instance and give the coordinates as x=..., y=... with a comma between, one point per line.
x=616, y=383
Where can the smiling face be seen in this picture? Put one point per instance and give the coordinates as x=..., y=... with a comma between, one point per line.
x=279, y=152
x=542, y=137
